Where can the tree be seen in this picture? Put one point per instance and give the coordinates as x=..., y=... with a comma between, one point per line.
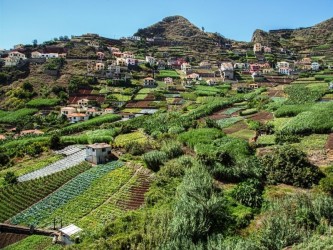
x=200, y=210
x=4, y=159
x=10, y=178
x=3, y=78
x=289, y=165
x=34, y=43
x=55, y=142
x=27, y=86
x=203, y=29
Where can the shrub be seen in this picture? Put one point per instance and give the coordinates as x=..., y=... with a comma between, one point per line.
x=249, y=193
x=10, y=178
x=281, y=138
x=326, y=184
x=154, y=159
x=290, y=166
x=134, y=148
x=172, y=149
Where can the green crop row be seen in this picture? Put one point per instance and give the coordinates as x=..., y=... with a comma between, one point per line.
x=16, y=198
x=91, y=123
x=43, y=209
x=13, y=117
x=41, y=102
x=92, y=198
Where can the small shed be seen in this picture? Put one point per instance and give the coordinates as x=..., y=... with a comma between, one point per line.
x=98, y=153
x=66, y=234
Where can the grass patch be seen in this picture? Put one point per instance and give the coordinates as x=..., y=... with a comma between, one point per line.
x=124, y=139
x=41, y=102
x=17, y=116
x=244, y=134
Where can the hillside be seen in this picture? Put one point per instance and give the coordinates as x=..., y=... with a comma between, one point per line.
x=174, y=138
x=317, y=40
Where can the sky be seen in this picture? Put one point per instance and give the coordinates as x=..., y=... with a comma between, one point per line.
x=22, y=21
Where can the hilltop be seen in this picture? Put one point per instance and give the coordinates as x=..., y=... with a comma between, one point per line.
x=180, y=30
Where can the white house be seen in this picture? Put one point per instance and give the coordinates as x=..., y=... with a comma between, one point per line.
x=168, y=80
x=93, y=112
x=282, y=64
x=267, y=49
x=257, y=47
x=109, y=111
x=284, y=70
x=211, y=82
x=128, y=54
x=121, y=61
x=67, y=111
x=100, y=55
x=83, y=103
x=149, y=82
x=185, y=67
x=98, y=153
x=240, y=65
x=150, y=60
x=227, y=70
x=77, y=117
x=114, y=68
x=11, y=61
x=99, y=66
x=130, y=61
x=315, y=66
x=37, y=54
x=14, y=57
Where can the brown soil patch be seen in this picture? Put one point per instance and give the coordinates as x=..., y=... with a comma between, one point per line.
x=275, y=93
x=329, y=142
x=262, y=116
x=7, y=239
x=134, y=198
x=140, y=104
x=235, y=128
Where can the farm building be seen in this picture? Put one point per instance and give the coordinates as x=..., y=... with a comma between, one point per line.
x=98, y=153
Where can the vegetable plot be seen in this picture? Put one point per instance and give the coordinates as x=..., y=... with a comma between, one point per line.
x=43, y=209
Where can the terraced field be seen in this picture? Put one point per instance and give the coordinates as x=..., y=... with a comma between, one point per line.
x=14, y=199
x=45, y=208
x=129, y=197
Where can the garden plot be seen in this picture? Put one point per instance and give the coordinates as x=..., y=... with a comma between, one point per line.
x=43, y=209
x=67, y=162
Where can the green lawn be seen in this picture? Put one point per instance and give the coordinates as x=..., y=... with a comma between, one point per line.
x=168, y=73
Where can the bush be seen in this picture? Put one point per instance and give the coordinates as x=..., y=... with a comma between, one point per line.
x=281, y=138
x=249, y=193
x=290, y=166
x=172, y=149
x=326, y=184
x=154, y=159
x=134, y=148
x=10, y=178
